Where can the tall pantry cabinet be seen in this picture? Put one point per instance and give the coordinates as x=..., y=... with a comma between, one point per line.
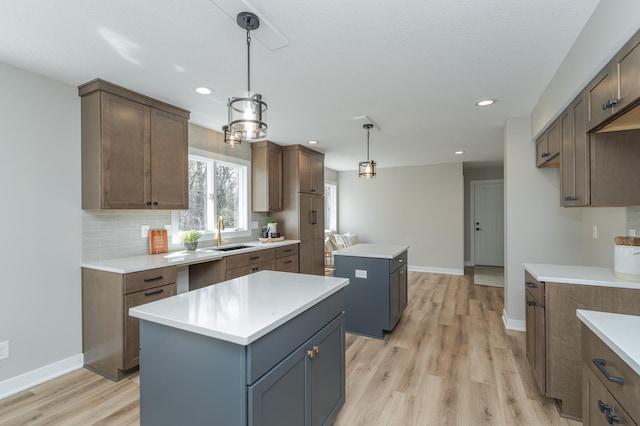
x=303, y=205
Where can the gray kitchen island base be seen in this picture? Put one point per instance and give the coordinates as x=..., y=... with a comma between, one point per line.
x=294, y=375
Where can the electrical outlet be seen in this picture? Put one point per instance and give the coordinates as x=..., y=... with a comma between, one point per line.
x=144, y=231
x=361, y=273
x=4, y=350
x=168, y=228
x=632, y=232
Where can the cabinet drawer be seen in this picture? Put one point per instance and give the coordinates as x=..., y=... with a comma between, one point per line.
x=286, y=251
x=535, y=288
x=138, y=281
x=627, y=393
x=287, y=264
x=399, y=261
x=251, y=258
x=250, y=269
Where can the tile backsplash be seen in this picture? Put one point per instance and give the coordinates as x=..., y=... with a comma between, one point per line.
x=633, y=220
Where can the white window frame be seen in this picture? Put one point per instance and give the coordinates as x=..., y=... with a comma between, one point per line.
x=333, y=221
x=245, y=201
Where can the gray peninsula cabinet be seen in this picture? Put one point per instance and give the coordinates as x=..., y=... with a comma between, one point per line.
x=377, y=294
x=263, y=349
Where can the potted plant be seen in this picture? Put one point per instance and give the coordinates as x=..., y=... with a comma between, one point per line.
x=190, y=239
x=272, y=225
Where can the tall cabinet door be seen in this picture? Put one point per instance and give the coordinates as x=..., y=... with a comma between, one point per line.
x=169, y=157
x=126, y=153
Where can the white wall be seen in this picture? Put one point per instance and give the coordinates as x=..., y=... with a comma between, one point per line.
x=537, y=229
x=421, y=206
x=40, y=181
x=610, y=222
x=612, y=23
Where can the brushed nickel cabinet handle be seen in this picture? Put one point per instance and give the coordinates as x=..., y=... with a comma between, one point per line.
x=601, y=364
x=151, y=293
x=148, y=280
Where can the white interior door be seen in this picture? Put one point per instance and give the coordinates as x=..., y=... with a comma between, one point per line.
x=488, y=224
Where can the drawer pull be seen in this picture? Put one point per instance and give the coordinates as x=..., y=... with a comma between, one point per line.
x=531, y=285
x=603, y=407
x=288, y=250
x=611, y=419
x=288, y=262
x=545, y=154
x=531, y=303
x=148, y=280
x=151, y=293
x=256, y=269
x=601, y=366
x=254, y=258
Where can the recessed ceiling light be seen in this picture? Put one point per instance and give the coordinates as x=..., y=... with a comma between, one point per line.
x=459, y=152
x=486, y=102
x=312, y=142
x=203, y=90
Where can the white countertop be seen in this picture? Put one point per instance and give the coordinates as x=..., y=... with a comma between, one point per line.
x=620, y=332
x=243, y=309
x=585, y=275
x=125, y=265
x=384, y=251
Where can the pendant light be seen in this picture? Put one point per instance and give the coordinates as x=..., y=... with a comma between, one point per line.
x=367, y=168
x=247, y=113
x=230, y=138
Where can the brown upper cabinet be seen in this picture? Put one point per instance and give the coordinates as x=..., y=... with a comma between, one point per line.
x=615, y=88
x=134, y=150
x=574, y=156
x=548, y=146
x=266, y=177
x=311, y=169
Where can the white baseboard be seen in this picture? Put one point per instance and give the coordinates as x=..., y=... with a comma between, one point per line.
x=40, y=375
x=512, y=324
x=447, y=271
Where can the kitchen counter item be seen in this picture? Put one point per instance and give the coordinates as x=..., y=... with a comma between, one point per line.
x=620, y=332
x=626, y=262
x=243, y=309
x=584, y=275
x=126, y=265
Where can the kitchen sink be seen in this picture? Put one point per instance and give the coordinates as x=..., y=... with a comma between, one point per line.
x=226, y=248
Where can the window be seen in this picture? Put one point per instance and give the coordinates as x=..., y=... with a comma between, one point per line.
x=218, y=187
x=330, y=207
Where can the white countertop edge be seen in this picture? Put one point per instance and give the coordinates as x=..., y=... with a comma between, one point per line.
x=234, y=338
x=125, y=265
x=573, y=274
x=609, y=328
x=372, y=250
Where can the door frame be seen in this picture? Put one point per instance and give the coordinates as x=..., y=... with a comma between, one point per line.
x=472, y=214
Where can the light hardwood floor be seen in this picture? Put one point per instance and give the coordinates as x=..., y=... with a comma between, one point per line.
x=448, y=362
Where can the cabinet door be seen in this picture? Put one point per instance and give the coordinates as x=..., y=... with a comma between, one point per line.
x=317, y=175
x=536, y=346
x=582, y=184
x=627, y=64
x=132, y=325
x=274, y=178
x=599, y=407
x=307, y=216
x=305, y=171
x=169, y=157
x=126, y=153
x=599, y=93
x=404, y=299
x=266, y=177
x=394, y=299
x=279, y=397
x=327, y=373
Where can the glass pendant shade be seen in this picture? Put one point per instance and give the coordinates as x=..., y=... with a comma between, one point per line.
x=247, y=116
x=367, y=169
x=230, y=138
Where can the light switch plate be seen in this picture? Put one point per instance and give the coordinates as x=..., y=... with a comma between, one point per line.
x=360, y=273
x=168, y=228
x=632, y=232
x=4, y=350
x=144, y=231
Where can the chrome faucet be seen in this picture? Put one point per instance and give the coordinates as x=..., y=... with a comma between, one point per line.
x=220, y=228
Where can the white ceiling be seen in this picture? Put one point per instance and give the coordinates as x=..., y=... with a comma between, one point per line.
x=415, y=67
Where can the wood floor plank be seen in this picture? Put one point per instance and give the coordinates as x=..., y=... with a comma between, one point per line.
x=449, y=361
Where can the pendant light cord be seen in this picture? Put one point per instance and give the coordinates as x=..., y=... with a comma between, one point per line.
x=367, y=145
x=248, y=61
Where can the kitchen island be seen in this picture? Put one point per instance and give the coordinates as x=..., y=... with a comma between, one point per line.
x=266, y=348
x=377, y=294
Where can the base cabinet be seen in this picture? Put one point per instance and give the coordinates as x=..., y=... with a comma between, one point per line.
x=294, y=375
x=553, y=335
x=376, y=295
x=307, y=387
x=110, y=337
